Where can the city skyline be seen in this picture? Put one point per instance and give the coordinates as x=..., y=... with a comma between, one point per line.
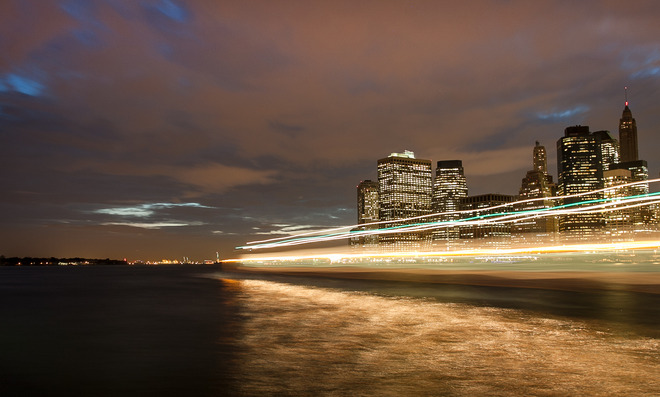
x=590, y=169
x=183, y=128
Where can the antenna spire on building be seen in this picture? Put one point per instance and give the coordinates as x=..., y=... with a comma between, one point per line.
x=628, y=134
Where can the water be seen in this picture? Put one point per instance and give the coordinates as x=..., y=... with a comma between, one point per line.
x=111, y=331
x=201, y=331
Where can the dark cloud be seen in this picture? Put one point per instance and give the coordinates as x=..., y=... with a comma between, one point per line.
x=267, y=114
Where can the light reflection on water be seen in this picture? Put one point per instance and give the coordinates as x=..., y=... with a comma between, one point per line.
x=306, y=340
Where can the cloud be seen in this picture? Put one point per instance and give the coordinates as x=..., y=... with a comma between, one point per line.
x=24, y=85
x=154, y=225
x=198, y=179
x=173, y=10
x=145, y=210
x=493, y=162
x=292, y=230
x=560, y=115
x=647, y=72
x=280, y=108
x=220, y=177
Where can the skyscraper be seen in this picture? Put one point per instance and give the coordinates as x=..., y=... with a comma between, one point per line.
x=367, y=213
x=580, y=170
x=639, y=170
x=405, y=186
x=538, y=185
x=609, y=149
x=644, y=216
x=540, y=159
x=628, y=135
x=618, y=222
x=367, y=202
x=449, y=187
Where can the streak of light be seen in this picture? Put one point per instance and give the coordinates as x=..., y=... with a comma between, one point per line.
x=584, y=207
x=337, y=256
x=254, y=244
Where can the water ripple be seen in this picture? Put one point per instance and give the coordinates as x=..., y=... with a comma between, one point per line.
x=301, y=340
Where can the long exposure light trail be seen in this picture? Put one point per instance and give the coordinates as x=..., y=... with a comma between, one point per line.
x=257, y=243
x=589, y=206
x=337, y=256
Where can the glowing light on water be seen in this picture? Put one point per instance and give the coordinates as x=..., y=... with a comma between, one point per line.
x=321, y=341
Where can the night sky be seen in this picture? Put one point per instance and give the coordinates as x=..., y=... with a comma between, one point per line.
x=151, y=129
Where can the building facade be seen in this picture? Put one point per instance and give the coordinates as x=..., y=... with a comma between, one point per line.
x=449, y=187
x=367, y=202
x=609, y=149
x=535, y=194
x=484, y=205
x=368, y=206
x=405, y=191
x=618, y=222
x=628, y=136
x=580, y=170
x=643, y=218
x=540, y=159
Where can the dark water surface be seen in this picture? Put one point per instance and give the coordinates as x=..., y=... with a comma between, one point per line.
x=199, y=331
x=112, y=331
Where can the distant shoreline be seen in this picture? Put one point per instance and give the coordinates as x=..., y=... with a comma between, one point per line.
x=52, y=261
x=579, y=281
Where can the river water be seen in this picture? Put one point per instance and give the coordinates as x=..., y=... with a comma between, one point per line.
x=199, y=330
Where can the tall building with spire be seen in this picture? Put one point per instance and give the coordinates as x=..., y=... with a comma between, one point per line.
x=540, y=159
x=628, y=135
x=645, y=216
x=537, y=186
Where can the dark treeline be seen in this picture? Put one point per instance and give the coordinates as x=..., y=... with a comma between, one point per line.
x=30, y=261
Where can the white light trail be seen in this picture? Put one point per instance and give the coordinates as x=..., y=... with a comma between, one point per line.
x=337, y=256
x=584, y=207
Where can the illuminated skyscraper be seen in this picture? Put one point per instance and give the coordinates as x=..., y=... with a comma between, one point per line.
x=405, y=186
x=580, y=170
x=367, y=202
x=629, y=151
x=540, y=159
x=628, y=135
x=367, y=213
x=639, y=170
x=618, y=223
x=449, y=187
x=579, y=161
x=537, y=184
x=644, y=216
x=609, y=149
